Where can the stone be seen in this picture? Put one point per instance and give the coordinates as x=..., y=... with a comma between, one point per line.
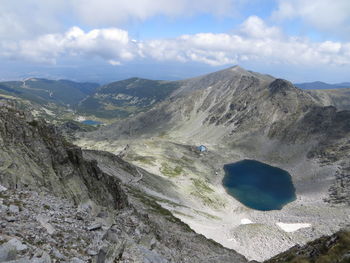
x=94, y=226
x=10, y=219
x=91, y=252
x=76, y=260
x=8, y=251
x=2, y=188
x=17, y=244
x=58, y=254
x=45, y=223
x=44, y=258
x=14, y=209
x=21, y=260
x=3, y=208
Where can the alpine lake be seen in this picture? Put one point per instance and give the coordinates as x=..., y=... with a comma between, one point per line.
x=258, y=185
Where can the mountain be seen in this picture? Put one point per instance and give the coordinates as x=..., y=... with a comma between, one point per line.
x=123, y=98
x=43, y=91
x=321, y=85
x=141, y=191
x=329, y=94
x=234, y=100
x=340, y=98
x=239, y=114
x=344, y=84
x=53, y=100
x=56, y=204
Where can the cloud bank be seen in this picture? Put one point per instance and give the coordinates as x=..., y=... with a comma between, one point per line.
x=24, y=19
x=329, y=16
x=253, y=41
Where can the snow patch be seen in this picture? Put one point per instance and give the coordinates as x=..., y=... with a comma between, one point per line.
x=287, y=227
x=246, y=221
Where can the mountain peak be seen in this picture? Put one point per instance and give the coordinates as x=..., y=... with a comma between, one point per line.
x=237, y=68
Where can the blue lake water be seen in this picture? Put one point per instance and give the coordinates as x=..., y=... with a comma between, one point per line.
x=91, y=122
x=258, y=185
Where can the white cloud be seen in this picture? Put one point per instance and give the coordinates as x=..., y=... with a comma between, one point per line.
x=111, y=12
x=24, y=19
x=30, y=18
x=254, y=41
x=331, y=16
x=255, y=27
x=111, y=44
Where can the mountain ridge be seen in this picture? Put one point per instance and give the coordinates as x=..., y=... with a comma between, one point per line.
x=239, y=115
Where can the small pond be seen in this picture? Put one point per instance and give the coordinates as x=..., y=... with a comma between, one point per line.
x=91, y=122
x=258, y=185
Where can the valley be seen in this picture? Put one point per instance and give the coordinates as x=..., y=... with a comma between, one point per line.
x=239, y=115
x=152, y=151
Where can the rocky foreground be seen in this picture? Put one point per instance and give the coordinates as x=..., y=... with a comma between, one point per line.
x=60, y=204
x=58, y=207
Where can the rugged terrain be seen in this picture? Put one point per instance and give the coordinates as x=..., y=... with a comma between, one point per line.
x=334, y=248
x=44, y=91
x=57, y=206
x=121, y=99
x=238, y=115
x=55, y=101
x=340, y=98
x=144, y=203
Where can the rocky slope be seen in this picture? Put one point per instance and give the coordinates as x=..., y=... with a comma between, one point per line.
x=339, y=98
x=56, y=206
x=334, y=248
x=235, y=99
x=238, y=115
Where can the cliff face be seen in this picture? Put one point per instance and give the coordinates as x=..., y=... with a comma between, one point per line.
x=34, y=154
x=59, y=206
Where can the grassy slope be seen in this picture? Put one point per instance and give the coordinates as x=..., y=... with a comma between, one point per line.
x=43, y=91
x=123, y=98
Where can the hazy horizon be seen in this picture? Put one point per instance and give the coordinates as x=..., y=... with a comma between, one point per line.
x=106, y=40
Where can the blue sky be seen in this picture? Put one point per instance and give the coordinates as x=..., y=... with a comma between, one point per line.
x=106, y=40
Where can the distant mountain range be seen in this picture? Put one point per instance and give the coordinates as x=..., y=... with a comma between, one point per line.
x=43, y=91
x=322, y=85
x=121, y=99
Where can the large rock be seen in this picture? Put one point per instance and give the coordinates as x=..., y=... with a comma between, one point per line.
x=10, y=249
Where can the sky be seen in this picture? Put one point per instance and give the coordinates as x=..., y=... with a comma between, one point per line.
x=107, y=40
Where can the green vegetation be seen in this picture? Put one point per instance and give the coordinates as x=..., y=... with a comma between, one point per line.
x=169, y=171
x=123, y=98
x=142, y=88
x=203, y=191
x=181, y=214
x=201, y=185
x=43, y=91
x=207, y=215
x=149, y=160
x=151, y=203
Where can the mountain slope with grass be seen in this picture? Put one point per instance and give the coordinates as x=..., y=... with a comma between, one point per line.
x=127, y=97
x=339, y=98
x=44, y=91
x=238, y=114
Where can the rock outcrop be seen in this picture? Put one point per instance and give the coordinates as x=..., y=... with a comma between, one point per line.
x=334, y=248
x=59, y=207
